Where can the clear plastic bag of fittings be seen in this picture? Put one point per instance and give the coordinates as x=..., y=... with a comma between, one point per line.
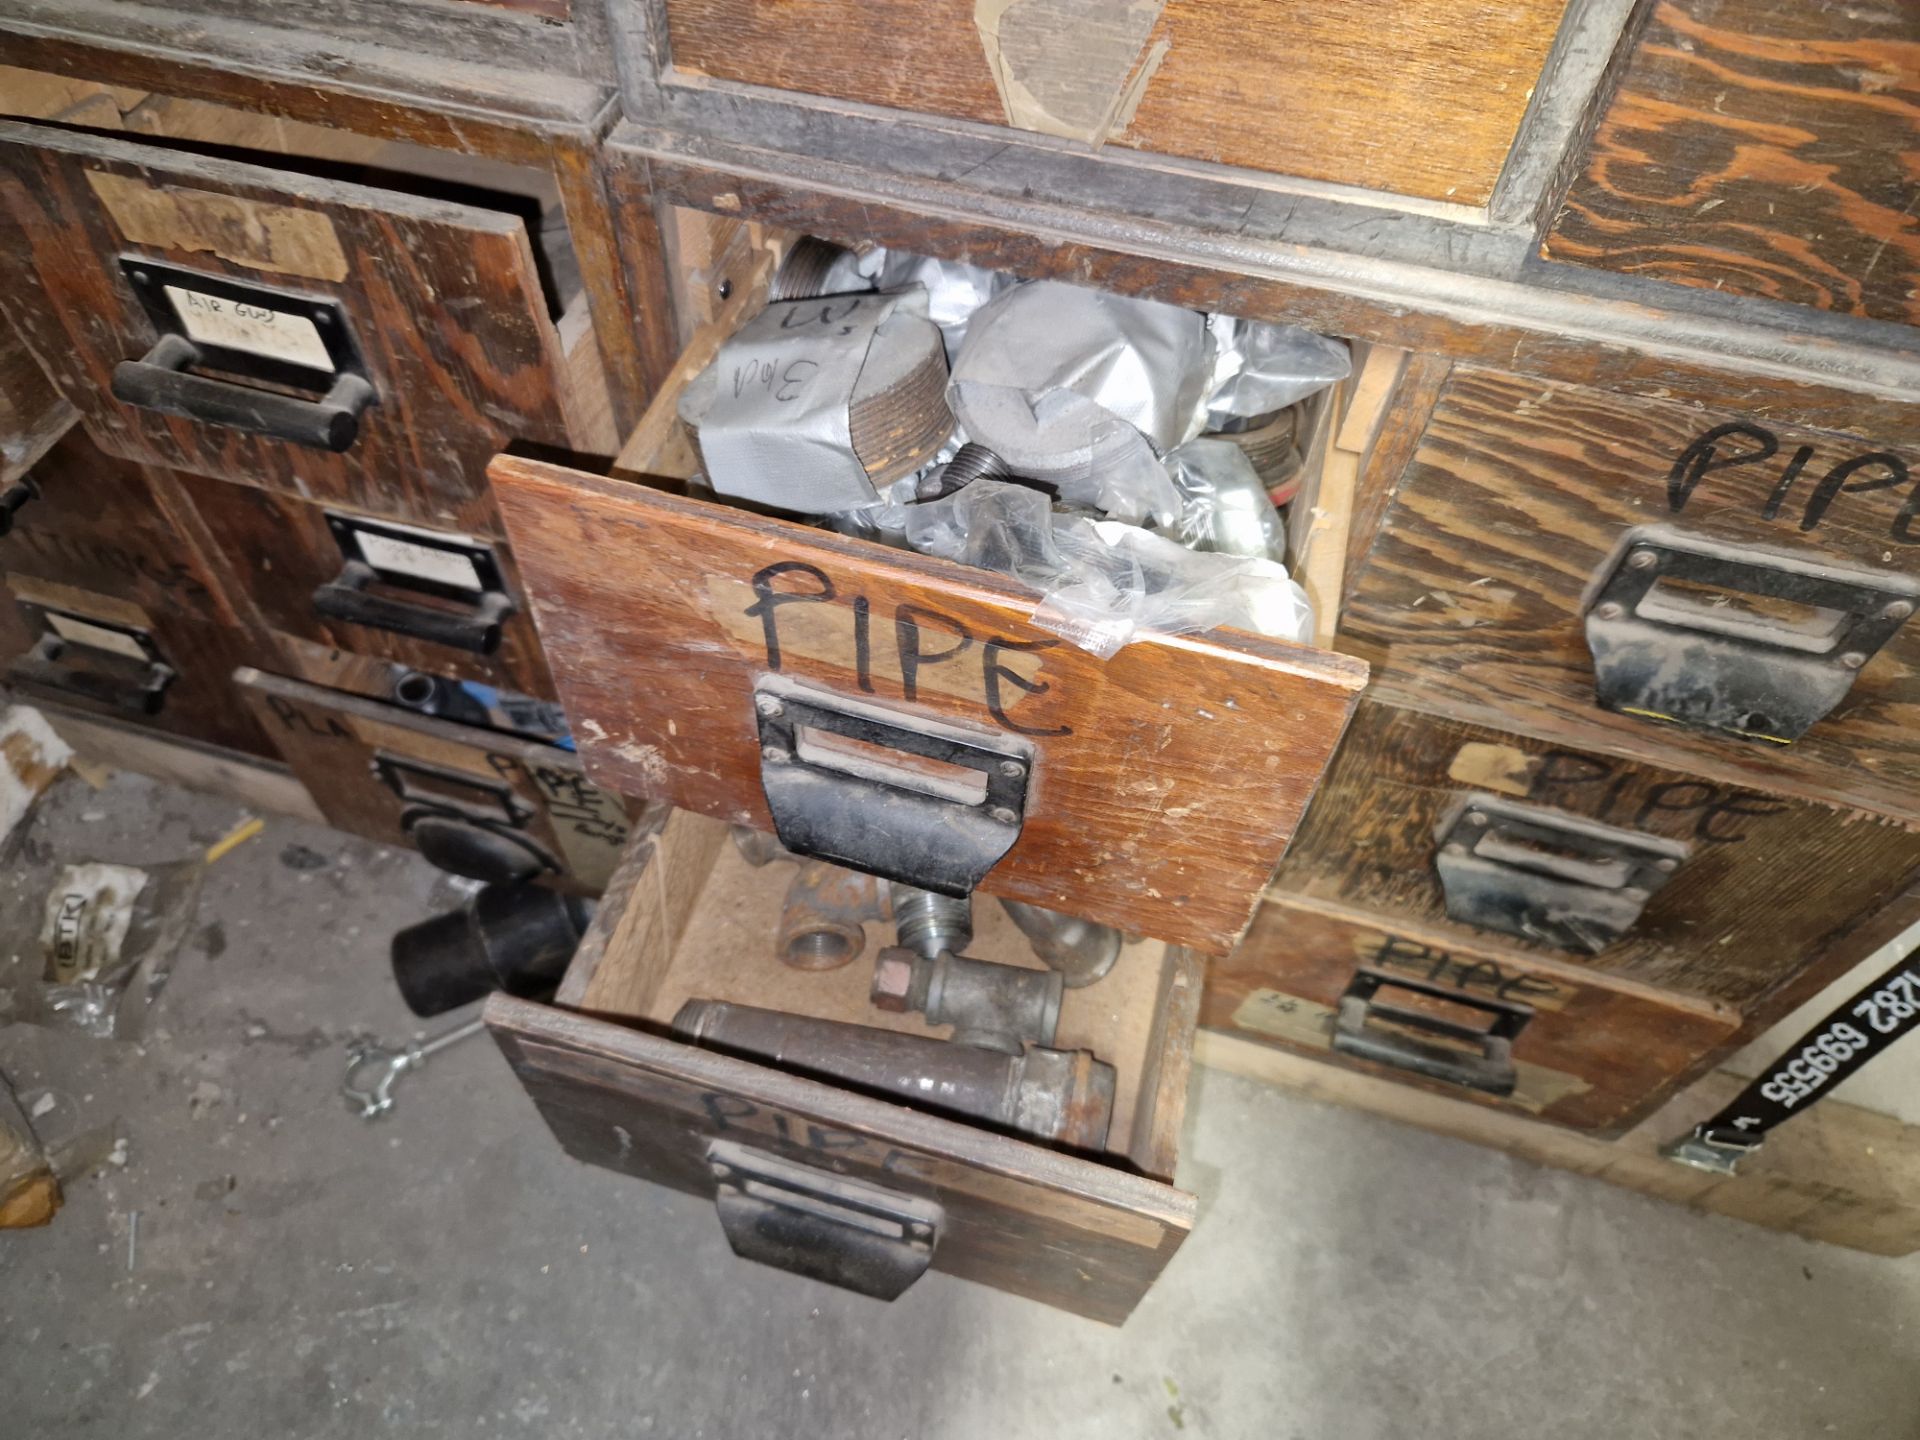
x=1100, y=581
x=105, y=938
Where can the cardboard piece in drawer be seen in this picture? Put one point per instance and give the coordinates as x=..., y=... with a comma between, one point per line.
x=1719, y=593
x=1153, y=791
x=1761, y=885
x=476, y=802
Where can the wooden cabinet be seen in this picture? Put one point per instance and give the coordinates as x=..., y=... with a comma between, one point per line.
x=1546, y=545
x=1461, y=1015
x=32, y=414
x=476, y=802
x=448, y=604
x=350, y=343
x=684, y=919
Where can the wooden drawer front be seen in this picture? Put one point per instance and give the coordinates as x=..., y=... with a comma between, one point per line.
x=32, y=414
x=1085, y=1234
x=1760, y=147
x=107, y=525
x=1519, y=500
x=1587, y=1052
x=1420, y=107
x=408, y=779
x=441, y=302
x=281, y=552
x=1161, y=785
x=1766, y=884
x=105, y=655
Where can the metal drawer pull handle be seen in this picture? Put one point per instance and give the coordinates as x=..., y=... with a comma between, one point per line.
x=905, y=797
x=476, y=630
x=1722, y=637
x=131, y=686
x=1547, y=876
x=160, y=381
x=845, y=1232
x=1458, y=1052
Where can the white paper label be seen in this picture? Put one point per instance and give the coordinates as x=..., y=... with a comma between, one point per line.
x=422, y=562
x=255, y=329
x=89, y=912
x=97, y=637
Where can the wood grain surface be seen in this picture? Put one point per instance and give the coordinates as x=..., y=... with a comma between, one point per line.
x=1770, y=889
x=1608, y=1052
x=1760, y=147
x=109, y=525
x=1424, y=106
x=1166, y=781
x=331, y=741
x=1525, y=330
x=1471, y=599
x=442, y=299
x=276, y=550
x=32, y=414
x=199, y=704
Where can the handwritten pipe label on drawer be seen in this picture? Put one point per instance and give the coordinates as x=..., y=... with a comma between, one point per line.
x=254, y=329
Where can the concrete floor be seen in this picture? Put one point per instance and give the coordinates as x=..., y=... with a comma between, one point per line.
x=449, y=1271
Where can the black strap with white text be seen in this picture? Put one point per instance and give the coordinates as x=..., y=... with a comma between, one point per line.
x=1857, y=1030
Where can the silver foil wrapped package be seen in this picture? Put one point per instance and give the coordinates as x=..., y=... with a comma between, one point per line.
x=772, y=414
x=1260, y=367
x=1101, y=582
x=1223, y=502
x=1083, y=391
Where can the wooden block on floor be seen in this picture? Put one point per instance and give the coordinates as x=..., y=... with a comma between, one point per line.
x=1836, y=1173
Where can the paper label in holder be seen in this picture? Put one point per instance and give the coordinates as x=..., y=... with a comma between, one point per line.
x=778, y=429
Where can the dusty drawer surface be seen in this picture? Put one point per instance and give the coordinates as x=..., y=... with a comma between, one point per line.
x=1523, y=501
x=1161, y=785
x=442, y=601
x=1421, y=107
x=32, y=414
x=1760, y=147
x=1519, y=1032
x=1760, y=885
x=351, y=344
x=104, y=524
x=476, y=802
x=111, y=656
x=686, y=918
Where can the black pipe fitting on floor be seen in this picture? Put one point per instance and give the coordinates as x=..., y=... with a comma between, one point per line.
x=516, y=938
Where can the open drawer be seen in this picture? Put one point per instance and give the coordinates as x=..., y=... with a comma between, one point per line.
x=344, y=320
x=685, y=917
x=768, y=673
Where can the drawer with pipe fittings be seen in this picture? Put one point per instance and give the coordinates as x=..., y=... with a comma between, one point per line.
x=475, y=800
x=983, y=1115
x=368, y=341
x=1518, y=845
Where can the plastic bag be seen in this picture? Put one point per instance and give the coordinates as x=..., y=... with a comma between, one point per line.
x=1101, y=582
x=1223, y=502
x=1260, y=367
x=1083, y=391
x=100, y=927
